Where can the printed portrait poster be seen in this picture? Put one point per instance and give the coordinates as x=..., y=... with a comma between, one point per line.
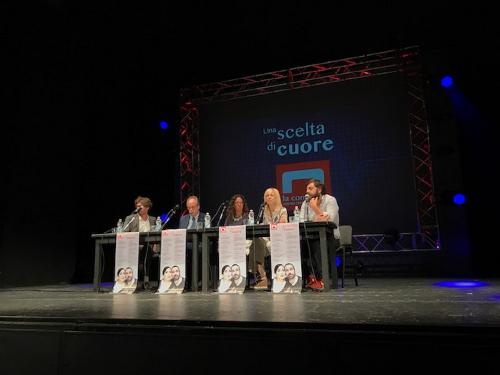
x=232, y=259
x=173, y=261
x=286, y=266
x=126, y=262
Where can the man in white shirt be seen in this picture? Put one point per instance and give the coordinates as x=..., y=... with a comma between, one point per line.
x=319, y=206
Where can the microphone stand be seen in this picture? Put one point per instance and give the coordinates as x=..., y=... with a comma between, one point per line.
x=261, y=212
x=169, y=215
x=126, y=226
x=221, y=213
x=217, y=212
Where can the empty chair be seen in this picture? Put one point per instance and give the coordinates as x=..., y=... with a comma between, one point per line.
x=346, y=247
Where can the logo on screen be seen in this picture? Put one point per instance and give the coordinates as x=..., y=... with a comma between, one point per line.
x=291, y=180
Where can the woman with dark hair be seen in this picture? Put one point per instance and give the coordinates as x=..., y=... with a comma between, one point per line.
x=226, y=279
x=237, y=214
x=279, y=280
x=120, y=280
x=166, y=280
x=237, y=211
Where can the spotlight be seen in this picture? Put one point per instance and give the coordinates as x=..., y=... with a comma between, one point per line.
x=451, y=197
x=461, y=284
x=164, y=125
x=447, y=82
x=459, y=199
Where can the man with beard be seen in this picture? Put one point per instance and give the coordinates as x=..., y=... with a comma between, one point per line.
x=177, y=280
x=318, y=206
x=239, y=282
x=293, y=281
x=130, y=281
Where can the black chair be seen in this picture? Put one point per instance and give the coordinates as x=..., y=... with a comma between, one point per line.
x=346, y=248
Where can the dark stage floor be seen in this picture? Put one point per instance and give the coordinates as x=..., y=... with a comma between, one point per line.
x=402, y=301
x=383, y=325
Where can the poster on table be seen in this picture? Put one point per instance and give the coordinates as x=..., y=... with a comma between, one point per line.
x=126, y=262
x=232, y=259
x=286, y=267
x=172, y=261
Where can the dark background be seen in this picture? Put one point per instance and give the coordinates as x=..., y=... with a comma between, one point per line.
x=85, y=86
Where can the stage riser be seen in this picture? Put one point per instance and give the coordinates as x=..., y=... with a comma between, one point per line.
x=43, y=348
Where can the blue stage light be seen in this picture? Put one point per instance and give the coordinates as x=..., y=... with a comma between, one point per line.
x=447, y=82
x=163, y=217
x=337, y=261
x=164, y=125
x=461, y=284
x=459, y=199
x=494, y=297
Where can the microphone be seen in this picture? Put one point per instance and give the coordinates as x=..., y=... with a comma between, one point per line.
x=170, y=214
x=261, y=212
x=172, y=211
x=224, y=206
x=126, y=226
x=307, y=198
x=136, y=211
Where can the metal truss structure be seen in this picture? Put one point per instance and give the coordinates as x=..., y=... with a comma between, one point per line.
x=404, y=61
x=422, y=164
x=383, y=242
x=189, y=154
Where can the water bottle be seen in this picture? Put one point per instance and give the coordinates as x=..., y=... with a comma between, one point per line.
x=119, y=226
x=207, y=220
x=158, y=224
x=296, y=214
x=251, y=218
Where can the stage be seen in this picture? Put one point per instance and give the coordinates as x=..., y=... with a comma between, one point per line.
x=380, y=323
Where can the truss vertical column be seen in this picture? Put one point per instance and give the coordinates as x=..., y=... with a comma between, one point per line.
x=189, y=151
x=419, y=133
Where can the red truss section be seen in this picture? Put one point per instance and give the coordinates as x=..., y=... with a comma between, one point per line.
x=304, y=76
x=189, y=156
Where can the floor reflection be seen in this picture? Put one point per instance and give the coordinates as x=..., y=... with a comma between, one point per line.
x=123, y=306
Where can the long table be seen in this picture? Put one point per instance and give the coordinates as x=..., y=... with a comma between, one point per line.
x=321, y=230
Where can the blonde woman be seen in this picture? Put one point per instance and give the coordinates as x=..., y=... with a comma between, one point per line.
x=274, y=213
